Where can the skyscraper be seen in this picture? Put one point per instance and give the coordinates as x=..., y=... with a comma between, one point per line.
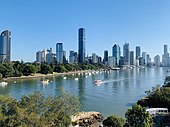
x=39, y=56
x=5, y=46
x=81, y=43
x=165, y=49
x=105, y=60
x=73, y=57
x=144, y=56
x=138, y=52
x=131, y=57
x=94, y=58
x=116, y=54
x=59, y=52
x=157, y=60
x=165, y=57
x=126, y=53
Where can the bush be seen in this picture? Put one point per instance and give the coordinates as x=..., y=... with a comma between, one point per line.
x=114, y=121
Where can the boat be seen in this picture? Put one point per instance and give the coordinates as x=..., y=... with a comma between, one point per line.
x=97, y=82
x=76, y=79
x=64, y=77
x=3, y=84
x=45, y=81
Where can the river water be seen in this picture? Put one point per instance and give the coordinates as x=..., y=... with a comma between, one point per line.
x=119, y=89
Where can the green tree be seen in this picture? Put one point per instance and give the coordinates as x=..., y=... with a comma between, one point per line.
x=114, y=121
x=29, y=69
x=46, y=69
x=159, y=97
x=38, y=110
x=138, y=117
x=3, y=70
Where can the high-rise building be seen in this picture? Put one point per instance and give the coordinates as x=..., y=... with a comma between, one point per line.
x=44, y=53
x=165, y=49
x=148, y=60
x=165, y=57
x=116, y=54
x=126, y=53
x=64, y=57
x=144, y=56
x=111, y=61
x=157, y=60
x=94, y=58
x=39, y=56
x=49, y=56
x=81, y=44
x=138, y=52
x=131, y=57
x=59, y=52
x=105, y=60
x=5, y=46
x=73, y=57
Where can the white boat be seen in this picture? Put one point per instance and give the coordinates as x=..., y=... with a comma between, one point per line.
x=76, y=79
x=97, y=82
x=3, y=84
x=64, y=77
x=45, y=81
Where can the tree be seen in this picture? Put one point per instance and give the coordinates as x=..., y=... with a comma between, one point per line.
x=29, y=69
x=46, y=69
x=138, y=117
x=3, y=70
x=38, y=110
x=114, y=121
x=159, y=97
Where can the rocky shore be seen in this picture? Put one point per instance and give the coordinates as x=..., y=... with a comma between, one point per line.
x=86, y=119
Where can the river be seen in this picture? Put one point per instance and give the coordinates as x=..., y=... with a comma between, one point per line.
x=119, y=89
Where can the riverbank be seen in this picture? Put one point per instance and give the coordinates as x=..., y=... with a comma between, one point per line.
x=39, y=75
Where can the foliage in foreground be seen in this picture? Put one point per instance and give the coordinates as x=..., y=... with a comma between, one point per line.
x=138, y=117
x=114, y=121
x=159, y=97
x=36, y=110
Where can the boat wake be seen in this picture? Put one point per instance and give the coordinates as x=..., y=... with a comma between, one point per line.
x=116, y=80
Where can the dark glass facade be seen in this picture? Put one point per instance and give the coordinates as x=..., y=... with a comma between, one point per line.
x=81, y=45
x=5, y=46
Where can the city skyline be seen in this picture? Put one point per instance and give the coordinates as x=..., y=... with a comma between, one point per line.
x=37, y=26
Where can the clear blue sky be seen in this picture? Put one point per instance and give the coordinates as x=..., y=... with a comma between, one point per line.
x=40, y=24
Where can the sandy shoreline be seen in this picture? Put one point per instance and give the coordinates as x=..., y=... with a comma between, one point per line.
x=38, y=75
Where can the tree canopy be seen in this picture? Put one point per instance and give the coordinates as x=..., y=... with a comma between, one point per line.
x=37, y=110
x=114, y=121
x=138, y=117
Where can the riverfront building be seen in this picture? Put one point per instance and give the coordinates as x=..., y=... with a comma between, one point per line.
x=94, y=58
x=105, y=60
x=73, y=57
x=144, y=56
x=59, y=53
x=116, y=54
x=81, y=45
x=5, y=46
x=126, y=54
x=157, y=60
x=131, y=57
x=138, y=52
x=39, y=56
x=165, y=57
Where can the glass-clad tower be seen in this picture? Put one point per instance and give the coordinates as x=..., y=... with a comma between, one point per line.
x=126, y=53
x=81, y=45
x=5, y=46
x=116, y=54
x=138, y=52
x=59, y=52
